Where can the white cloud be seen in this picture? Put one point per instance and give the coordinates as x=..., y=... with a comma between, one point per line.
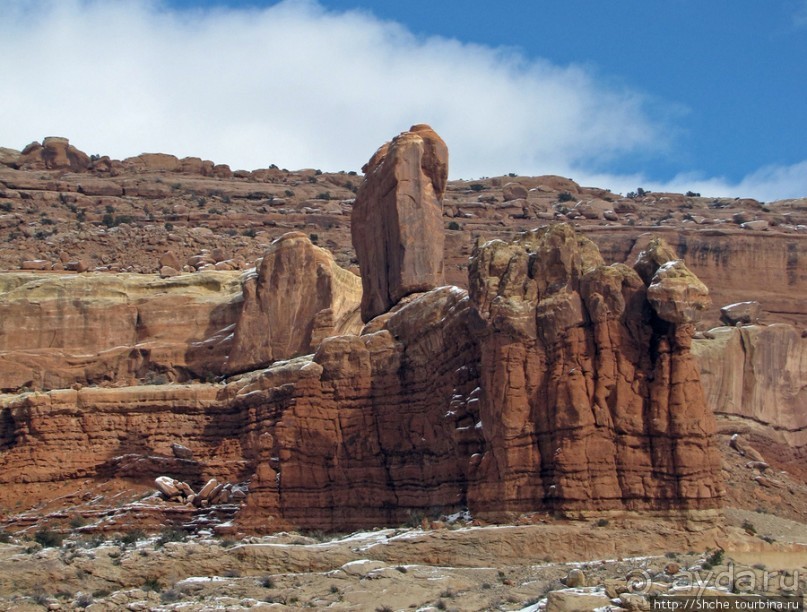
x=300, y=86
x=766, y=184
x=295, y=85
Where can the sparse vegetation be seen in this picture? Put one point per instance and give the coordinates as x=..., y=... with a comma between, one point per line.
x=565, y=196
x=47, y=538
x=476, y=187
x=171, y=534
x=453, y=225
x=603, y=522
x=132, y=536
x=713, y=559
x=692, y=194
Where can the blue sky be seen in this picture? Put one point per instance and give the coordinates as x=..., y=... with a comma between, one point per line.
x=674, y=94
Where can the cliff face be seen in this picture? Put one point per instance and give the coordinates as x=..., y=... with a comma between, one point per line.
x=92, y=329
x=755, y=375
x=554, y=385
x=591, y=398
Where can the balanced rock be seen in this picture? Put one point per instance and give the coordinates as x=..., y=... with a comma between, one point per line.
x=296, y=297
x=397, y=219
x=676, y=294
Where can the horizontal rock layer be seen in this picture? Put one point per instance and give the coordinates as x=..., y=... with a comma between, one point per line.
x=554, y=385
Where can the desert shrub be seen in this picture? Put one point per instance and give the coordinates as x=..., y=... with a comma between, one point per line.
x=84, y=600
x=6, y=206
x=749, y=527
x=715, y=558
x=453, y=225
x=130, y=537
x=565, y=196
x=47, y=538
x=152, y=584
x=603, y=522
x=692, y=194
x=171, y=534
x=77, y=521
x=313, y=238
x=476, y=187
x=170, y=596
x=267, y=582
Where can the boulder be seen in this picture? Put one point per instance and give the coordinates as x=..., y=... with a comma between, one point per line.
x=677, y=295
x=170, y=259
x=397, y=219
x=181, y=452
x=576, y=600
x=756, y=225
x=167, y=486
x=575, y=578
x=206, y=492
x=514, y=191
x=744, y=313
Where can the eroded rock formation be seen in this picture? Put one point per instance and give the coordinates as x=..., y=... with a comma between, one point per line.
x=397, y=219
x=297, y=297
x=591, y=398
x=754, y=375
x=59, y=330
x=553, y=385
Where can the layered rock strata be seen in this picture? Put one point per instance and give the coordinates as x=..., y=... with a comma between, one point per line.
x=60, y=330
x=553, y=385
x=754, y=375
x=296, y=297
x=397, y=219
x=591, y=397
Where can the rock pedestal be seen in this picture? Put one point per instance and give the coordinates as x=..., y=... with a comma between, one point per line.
x=397, y=220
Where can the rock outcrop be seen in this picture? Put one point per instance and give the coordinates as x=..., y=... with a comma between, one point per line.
x=553, y=386
x=55, y=153
x=397, y=219
x=60, y=330
x=754, y=375
x=591, y=398
x=296, y=297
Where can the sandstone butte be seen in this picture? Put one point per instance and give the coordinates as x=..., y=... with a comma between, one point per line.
x=556, y=382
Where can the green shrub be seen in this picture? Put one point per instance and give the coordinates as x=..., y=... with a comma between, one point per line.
x=476, y=187
x=453, y=225
x=565, y=196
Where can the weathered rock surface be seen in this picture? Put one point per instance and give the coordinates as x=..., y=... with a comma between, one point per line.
x=397, y=219
x=756, y=374
x=553, y=386
x=591, y=398
x=55, y=153
x=743, y=313
x=297, y=297
x=57, y=330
